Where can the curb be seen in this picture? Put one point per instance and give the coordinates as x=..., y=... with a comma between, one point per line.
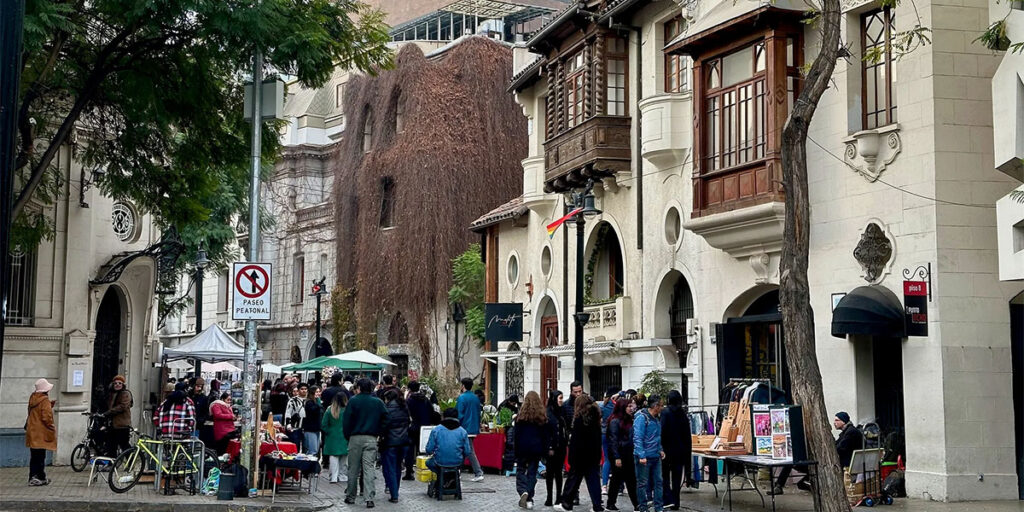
x=123, y=506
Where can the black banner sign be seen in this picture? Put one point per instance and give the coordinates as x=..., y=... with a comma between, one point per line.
x=503, y=321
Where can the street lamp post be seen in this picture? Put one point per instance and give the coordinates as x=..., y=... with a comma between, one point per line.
x=585, y=200
x=201, y=262
x=319, y=290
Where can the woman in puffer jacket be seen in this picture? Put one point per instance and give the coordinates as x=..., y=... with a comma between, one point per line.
x=396, y=441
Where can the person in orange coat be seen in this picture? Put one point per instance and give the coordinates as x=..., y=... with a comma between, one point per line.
x=40, y=432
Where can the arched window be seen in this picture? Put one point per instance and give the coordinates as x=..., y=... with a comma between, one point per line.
x=605, y=273
x=367, y=130
x=398, y=331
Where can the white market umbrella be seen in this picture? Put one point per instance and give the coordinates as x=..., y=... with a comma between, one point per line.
x=362, y=356
x=272, y=369
x=179, y=365
x=222, y=366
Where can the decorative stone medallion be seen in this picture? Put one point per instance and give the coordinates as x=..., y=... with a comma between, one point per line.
x=124, y=222
x=873, y=252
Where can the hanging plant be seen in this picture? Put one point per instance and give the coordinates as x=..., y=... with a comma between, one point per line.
x=995, y=37
x=595, y=258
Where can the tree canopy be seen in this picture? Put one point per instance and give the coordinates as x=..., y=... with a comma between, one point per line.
x=150, y=92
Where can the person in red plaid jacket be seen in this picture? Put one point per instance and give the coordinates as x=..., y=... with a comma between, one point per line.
x=176, y=416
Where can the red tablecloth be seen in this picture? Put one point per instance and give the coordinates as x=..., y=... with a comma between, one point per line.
x=235, y=447
x=489, y=449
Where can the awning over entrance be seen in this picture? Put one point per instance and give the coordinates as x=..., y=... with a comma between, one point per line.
x=868, y=310
x=592, y=347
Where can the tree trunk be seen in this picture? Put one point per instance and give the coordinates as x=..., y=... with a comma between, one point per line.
x=798, y=318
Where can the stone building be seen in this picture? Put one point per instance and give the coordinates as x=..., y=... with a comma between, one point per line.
x=675, y=118
x=81, y=309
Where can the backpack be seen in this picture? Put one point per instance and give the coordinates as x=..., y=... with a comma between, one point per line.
x=241, y=480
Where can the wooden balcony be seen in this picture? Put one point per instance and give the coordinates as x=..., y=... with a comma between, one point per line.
x=597, y=147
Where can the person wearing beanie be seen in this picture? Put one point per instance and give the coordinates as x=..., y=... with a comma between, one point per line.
x=119, y=411
x=850, y=438
x=40, y=432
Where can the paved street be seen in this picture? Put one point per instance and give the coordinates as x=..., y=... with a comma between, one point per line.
x=69, y=492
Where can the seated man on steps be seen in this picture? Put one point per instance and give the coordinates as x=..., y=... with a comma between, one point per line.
x=448, y=444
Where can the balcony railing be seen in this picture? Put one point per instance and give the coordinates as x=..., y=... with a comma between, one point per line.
x=599, y=146
x=609, y=321
x=313, y=213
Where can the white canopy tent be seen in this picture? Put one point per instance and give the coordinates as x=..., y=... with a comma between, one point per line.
x=211, y=345
x=271, y=369
x=362, y=356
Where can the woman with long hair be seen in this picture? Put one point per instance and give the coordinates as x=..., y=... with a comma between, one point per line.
x=620, y=447
x=584, y=454
x=677, y=449
x=335, y=444
x=531, y=444
x=558, y=437
x=396, y=440
x=311, y=422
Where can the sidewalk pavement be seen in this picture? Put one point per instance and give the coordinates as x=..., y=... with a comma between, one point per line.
x=68, y=491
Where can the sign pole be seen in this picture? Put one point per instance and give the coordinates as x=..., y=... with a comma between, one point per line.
x=249, y=370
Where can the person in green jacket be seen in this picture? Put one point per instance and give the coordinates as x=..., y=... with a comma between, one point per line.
x=335, y=444
x=364, y=420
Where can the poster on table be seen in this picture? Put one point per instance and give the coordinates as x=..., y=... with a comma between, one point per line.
x=780, y=433
x=762, y=423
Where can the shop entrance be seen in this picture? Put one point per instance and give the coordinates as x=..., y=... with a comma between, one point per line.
x=107, y=353
x=752, y=346
x=548, y=364
x=887, y=362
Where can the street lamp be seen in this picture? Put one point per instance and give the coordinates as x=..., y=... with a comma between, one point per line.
x=319, y=290
x=583, y=199
x=201, y=263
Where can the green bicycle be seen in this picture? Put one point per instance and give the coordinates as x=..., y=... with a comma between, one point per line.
x=178, y=462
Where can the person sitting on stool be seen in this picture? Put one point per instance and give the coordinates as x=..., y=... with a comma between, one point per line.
x=448, y=444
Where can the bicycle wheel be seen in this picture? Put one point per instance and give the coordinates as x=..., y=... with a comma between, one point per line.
x=126, y=471
x=80, y=457
x=210, y=461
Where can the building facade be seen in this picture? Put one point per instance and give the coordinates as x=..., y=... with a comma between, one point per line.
x=675, y=118
x=81, y=309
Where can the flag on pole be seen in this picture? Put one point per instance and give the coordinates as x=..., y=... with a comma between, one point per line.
x=554, y=225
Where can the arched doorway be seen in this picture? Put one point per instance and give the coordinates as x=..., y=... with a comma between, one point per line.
x=548, y=339
x=673, y=309
x=750, y=346
x=514, y=374
x=108, y=348
x=604, y=277
x=398, y=334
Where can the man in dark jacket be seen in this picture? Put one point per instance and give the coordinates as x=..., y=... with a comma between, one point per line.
x=575, y=390
x=327, y=397
x=850, y=438
x=675, y=441
x=363, y=422
x=420, y=412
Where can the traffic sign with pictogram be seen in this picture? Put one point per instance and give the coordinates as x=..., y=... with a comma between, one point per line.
x=251, y=284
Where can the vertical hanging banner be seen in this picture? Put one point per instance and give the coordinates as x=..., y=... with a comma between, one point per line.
x=915, y=307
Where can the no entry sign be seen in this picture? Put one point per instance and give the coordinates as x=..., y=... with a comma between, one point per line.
x=251, y=284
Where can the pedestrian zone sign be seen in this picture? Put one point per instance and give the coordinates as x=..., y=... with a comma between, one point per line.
x=251, y=284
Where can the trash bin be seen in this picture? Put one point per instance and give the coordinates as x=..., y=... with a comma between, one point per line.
x=226, y=489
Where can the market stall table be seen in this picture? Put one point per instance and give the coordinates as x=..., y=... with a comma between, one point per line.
x=753, y=461
x=489, y=448
x=298, y=468
x=235, y=447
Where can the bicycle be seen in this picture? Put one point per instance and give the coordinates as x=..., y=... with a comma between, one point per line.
x=94, y=443
x=178, y=463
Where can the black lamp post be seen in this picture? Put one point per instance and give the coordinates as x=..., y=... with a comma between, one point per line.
x=585, y=200
x=319, y=290
x=201, y=262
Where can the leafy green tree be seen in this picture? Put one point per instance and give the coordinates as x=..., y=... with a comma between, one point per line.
x=151, y=92
x=468, y=289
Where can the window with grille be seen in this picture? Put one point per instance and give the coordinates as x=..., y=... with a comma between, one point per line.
x=387, y=202
x=617, y=57
x=367, y=130
x=877, y=29
x=676, y=66
x=21, y=288
x=298, y=277
x=575, y=75
x=736, y=103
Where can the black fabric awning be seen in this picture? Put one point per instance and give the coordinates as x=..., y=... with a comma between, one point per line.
x=868, y=310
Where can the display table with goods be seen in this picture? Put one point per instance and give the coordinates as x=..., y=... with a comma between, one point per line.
x=296, y=471
x=489, y=447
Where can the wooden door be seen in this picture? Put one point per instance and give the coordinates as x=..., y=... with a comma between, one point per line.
x=548, y=364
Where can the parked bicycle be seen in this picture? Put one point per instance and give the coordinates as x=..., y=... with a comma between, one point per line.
x=181, y=462
x=95, y=442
